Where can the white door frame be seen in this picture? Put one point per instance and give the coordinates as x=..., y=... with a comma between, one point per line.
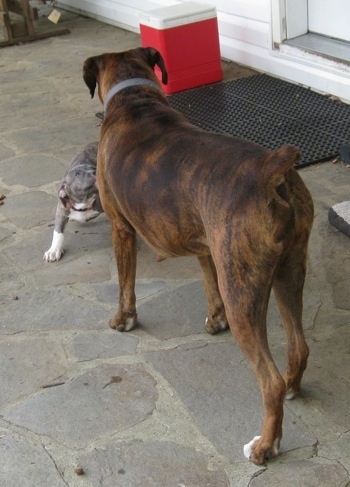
x=289, y=19
x=296, y=65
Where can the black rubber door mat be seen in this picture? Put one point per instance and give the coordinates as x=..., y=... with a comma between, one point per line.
x=270, y=112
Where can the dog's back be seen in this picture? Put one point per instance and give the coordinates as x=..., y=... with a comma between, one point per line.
x=221, y=179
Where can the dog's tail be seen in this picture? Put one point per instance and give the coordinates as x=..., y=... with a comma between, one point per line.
x=277, y=163
x=275, y=171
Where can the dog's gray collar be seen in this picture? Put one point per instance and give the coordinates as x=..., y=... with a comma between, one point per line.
x=126, y=84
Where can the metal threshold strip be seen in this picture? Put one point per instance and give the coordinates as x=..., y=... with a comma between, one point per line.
x=328, y=47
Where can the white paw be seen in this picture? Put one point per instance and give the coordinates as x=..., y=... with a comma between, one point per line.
x=53, y=255
x=55, y=252
x=248, y=448
x=290, y=394
x=130, y=323
x=276, y=447
x=221, y=323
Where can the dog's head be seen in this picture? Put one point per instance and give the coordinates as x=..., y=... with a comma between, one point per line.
x=109, y=69
x=79, y=188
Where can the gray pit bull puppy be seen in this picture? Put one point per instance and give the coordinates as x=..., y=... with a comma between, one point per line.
x=78, y=198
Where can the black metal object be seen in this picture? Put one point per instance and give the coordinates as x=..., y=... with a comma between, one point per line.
x=270, y=112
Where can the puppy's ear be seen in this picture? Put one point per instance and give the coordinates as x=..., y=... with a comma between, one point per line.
x=63, y=195
x=153, y=58
x=90, y=74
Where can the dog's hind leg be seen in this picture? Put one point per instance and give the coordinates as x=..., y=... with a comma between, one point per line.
x=249, y=330
x=288, y=288
x=124, y=243
x=216, y=320
x=245, y=291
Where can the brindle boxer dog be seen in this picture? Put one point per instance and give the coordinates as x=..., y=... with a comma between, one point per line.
x=242, y=210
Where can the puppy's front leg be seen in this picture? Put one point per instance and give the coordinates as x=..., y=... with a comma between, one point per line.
x=55, y=252
x=124, y=243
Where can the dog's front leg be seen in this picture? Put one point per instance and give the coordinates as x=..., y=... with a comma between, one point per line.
x=216, y=320
x=55, y=252
x=124, y=243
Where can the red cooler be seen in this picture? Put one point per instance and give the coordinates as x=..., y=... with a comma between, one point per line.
x=187, y=37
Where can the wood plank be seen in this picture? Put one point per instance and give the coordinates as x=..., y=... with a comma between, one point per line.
x=15, y=7
x=19, y=29
x=5, y=20
x=35, y=37
x=28, y=16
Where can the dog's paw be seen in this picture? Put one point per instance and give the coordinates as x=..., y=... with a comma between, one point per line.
x=258, y=453
x=55, y=252
x=215, y=325
x=248, y=447
x=124, y=321
x=53, y=255
x=291, y=393
x=292, y=387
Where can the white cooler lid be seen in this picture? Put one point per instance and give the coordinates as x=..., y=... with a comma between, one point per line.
x=175, y=15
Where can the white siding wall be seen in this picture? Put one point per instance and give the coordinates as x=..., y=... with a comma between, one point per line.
x=247, y=29
x=123, y=13
x=244, y=25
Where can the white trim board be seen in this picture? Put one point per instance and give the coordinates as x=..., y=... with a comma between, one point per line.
x=290, y=66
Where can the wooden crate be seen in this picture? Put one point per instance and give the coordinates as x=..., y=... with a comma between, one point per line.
x=21, y=30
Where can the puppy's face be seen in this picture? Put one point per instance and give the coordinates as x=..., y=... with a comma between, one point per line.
x=79, y=189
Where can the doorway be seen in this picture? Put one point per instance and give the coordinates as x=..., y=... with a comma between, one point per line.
x=319, y=27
